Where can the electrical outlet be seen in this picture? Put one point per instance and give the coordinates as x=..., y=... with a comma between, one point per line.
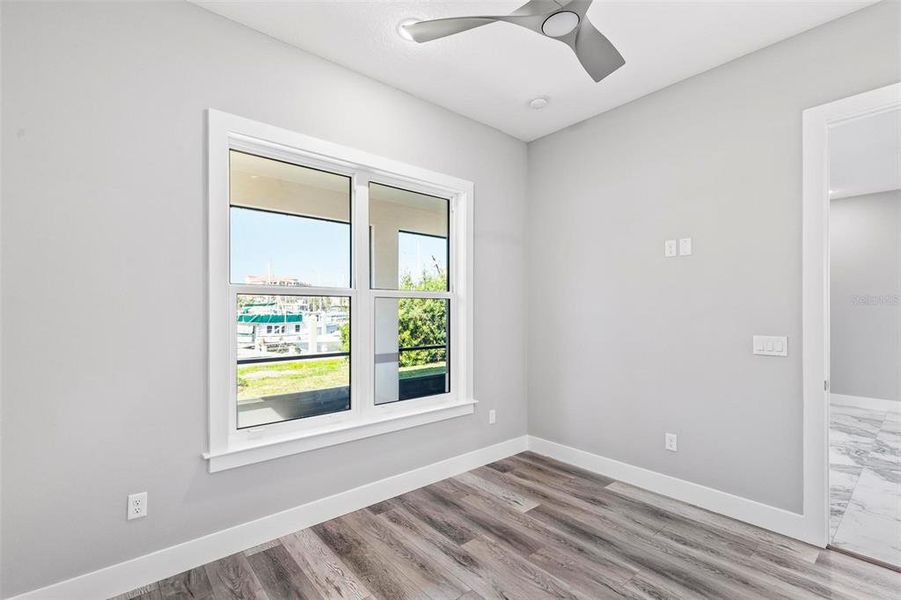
x=685, y=247
x=492, y=417
x=137, y=506
x=671, y=442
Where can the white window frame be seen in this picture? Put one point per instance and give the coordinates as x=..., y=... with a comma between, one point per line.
x=230, y=447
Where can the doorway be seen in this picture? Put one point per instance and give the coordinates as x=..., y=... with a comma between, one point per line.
x=853, y=212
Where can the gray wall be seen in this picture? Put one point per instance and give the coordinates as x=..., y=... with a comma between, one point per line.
x=103, y=231
x=624, y=344
x=865, y=255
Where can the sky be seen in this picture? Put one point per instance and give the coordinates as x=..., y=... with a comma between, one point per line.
x=415, y=252
x=315, y=251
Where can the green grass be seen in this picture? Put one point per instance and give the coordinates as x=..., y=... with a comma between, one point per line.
x=291, y=377
x=259, y=380
x=437, y=368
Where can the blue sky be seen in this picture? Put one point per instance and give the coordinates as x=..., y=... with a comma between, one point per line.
x=415, y=252
x=315, y=251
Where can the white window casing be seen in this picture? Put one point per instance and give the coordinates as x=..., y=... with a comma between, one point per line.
x=231, y=447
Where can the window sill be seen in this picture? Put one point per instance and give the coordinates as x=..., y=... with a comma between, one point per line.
x=275, y=448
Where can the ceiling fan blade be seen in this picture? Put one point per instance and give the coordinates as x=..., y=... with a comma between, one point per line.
x=426, y=31
x=596, y=53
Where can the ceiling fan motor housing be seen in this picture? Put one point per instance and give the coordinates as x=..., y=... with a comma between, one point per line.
x=560, y=23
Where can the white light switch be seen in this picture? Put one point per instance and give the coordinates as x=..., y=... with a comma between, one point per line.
x=770, y=345
x=669, y=248
x=685, y=247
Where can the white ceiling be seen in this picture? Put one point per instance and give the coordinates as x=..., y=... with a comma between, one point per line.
x=865, y=155
x=490, y=73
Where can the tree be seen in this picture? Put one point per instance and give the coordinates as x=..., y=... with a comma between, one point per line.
x=423, y=321
x=344, y=332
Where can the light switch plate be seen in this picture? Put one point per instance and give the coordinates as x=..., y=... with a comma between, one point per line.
x=685, y=247
x=770, y=345
x=669, y=248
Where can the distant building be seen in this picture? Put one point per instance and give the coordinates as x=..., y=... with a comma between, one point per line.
x=274, y=280
x=269, y=332
x=273, y=324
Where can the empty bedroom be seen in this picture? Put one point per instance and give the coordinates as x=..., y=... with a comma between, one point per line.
x=450, y=300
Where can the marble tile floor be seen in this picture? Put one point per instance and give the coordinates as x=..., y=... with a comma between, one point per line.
x=865, y=482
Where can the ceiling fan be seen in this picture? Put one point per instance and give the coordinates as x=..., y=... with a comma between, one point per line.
x=562, y=20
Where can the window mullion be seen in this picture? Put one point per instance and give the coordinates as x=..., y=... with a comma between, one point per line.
x=361, y=315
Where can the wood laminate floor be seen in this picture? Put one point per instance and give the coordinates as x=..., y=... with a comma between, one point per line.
x=530, y=527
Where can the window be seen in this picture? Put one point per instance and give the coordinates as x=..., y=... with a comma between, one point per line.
x=409, y=239
x=340, y=294
x=411, y=348
x=281, y=376
x=289, y=225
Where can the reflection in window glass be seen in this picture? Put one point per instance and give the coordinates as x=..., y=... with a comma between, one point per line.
x=411, y=348
x=293, y=355
x=289, y=225
x=409, y=233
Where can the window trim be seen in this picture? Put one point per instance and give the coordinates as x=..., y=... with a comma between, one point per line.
x=229, y=447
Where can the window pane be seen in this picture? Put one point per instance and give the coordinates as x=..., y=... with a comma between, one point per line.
x=293, y=357
x=411, y=348
x=409, y=233
x=289, y=225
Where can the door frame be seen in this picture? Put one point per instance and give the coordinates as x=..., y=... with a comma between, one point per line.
x=817, y=122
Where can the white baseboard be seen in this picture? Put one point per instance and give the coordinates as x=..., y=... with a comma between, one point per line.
x=131, y=574
x=762, y=515
x=880, y=404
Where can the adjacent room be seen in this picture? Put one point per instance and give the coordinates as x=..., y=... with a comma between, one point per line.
x=865, y=336
x=441, y=300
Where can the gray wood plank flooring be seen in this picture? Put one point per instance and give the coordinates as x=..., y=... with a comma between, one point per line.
x=528, y=527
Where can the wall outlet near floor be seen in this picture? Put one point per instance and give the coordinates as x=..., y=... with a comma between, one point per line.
x=137, y=506
x=669, y=248
x=671, y=442
x=492, y=417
